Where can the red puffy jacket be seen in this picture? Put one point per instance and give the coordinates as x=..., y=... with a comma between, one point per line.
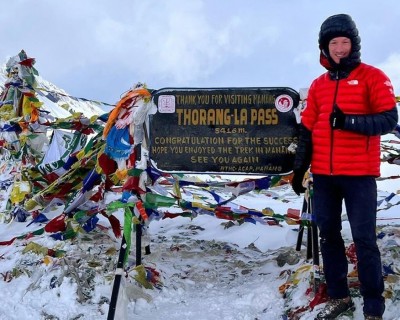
x=367, y=90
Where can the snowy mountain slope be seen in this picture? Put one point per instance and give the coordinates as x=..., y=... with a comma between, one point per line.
x=203, y=268
x=57, y=101
x=199, y=268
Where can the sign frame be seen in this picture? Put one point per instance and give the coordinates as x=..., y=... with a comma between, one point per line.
x=249, y=130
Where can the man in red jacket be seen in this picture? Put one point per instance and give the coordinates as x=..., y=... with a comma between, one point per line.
x=348, y=109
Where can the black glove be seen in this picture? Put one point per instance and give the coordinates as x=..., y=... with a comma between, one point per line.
x=337, y=118
x=297, y=181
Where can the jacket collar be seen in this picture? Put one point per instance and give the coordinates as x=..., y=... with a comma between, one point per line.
x=341, y=70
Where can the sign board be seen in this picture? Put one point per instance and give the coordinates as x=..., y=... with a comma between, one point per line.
x=224, y=130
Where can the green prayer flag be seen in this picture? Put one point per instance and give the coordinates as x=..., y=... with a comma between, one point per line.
x=127, y=232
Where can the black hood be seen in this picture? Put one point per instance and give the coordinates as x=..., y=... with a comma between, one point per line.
x=340, y=25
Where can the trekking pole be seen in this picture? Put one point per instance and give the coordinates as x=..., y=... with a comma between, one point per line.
x=301, y=228
x=117, y=280
x=306, y=215
x=138, y=243
x=304, y=222
x=314, y=241
x=314, y=228
x=120, y=266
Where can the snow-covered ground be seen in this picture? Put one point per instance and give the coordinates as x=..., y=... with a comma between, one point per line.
x=205, y=268
x=201, y=268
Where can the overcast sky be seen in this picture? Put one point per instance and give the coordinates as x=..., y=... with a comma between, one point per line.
x=98, y=49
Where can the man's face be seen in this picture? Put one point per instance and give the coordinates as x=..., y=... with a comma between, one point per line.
x=339, y=48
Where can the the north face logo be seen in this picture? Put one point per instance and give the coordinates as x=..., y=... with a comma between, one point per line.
x=388, y=83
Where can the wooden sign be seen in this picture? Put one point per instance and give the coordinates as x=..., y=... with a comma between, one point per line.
x=224, y=130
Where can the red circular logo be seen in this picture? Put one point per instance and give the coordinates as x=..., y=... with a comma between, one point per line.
x=284, y=103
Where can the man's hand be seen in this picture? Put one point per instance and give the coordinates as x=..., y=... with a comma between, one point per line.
x=337, y=118
x=297, y=181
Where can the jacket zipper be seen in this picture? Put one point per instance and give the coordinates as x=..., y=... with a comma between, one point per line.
x=332, y=135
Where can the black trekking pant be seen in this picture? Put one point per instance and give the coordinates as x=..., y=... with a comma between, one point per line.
x=360, y=198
